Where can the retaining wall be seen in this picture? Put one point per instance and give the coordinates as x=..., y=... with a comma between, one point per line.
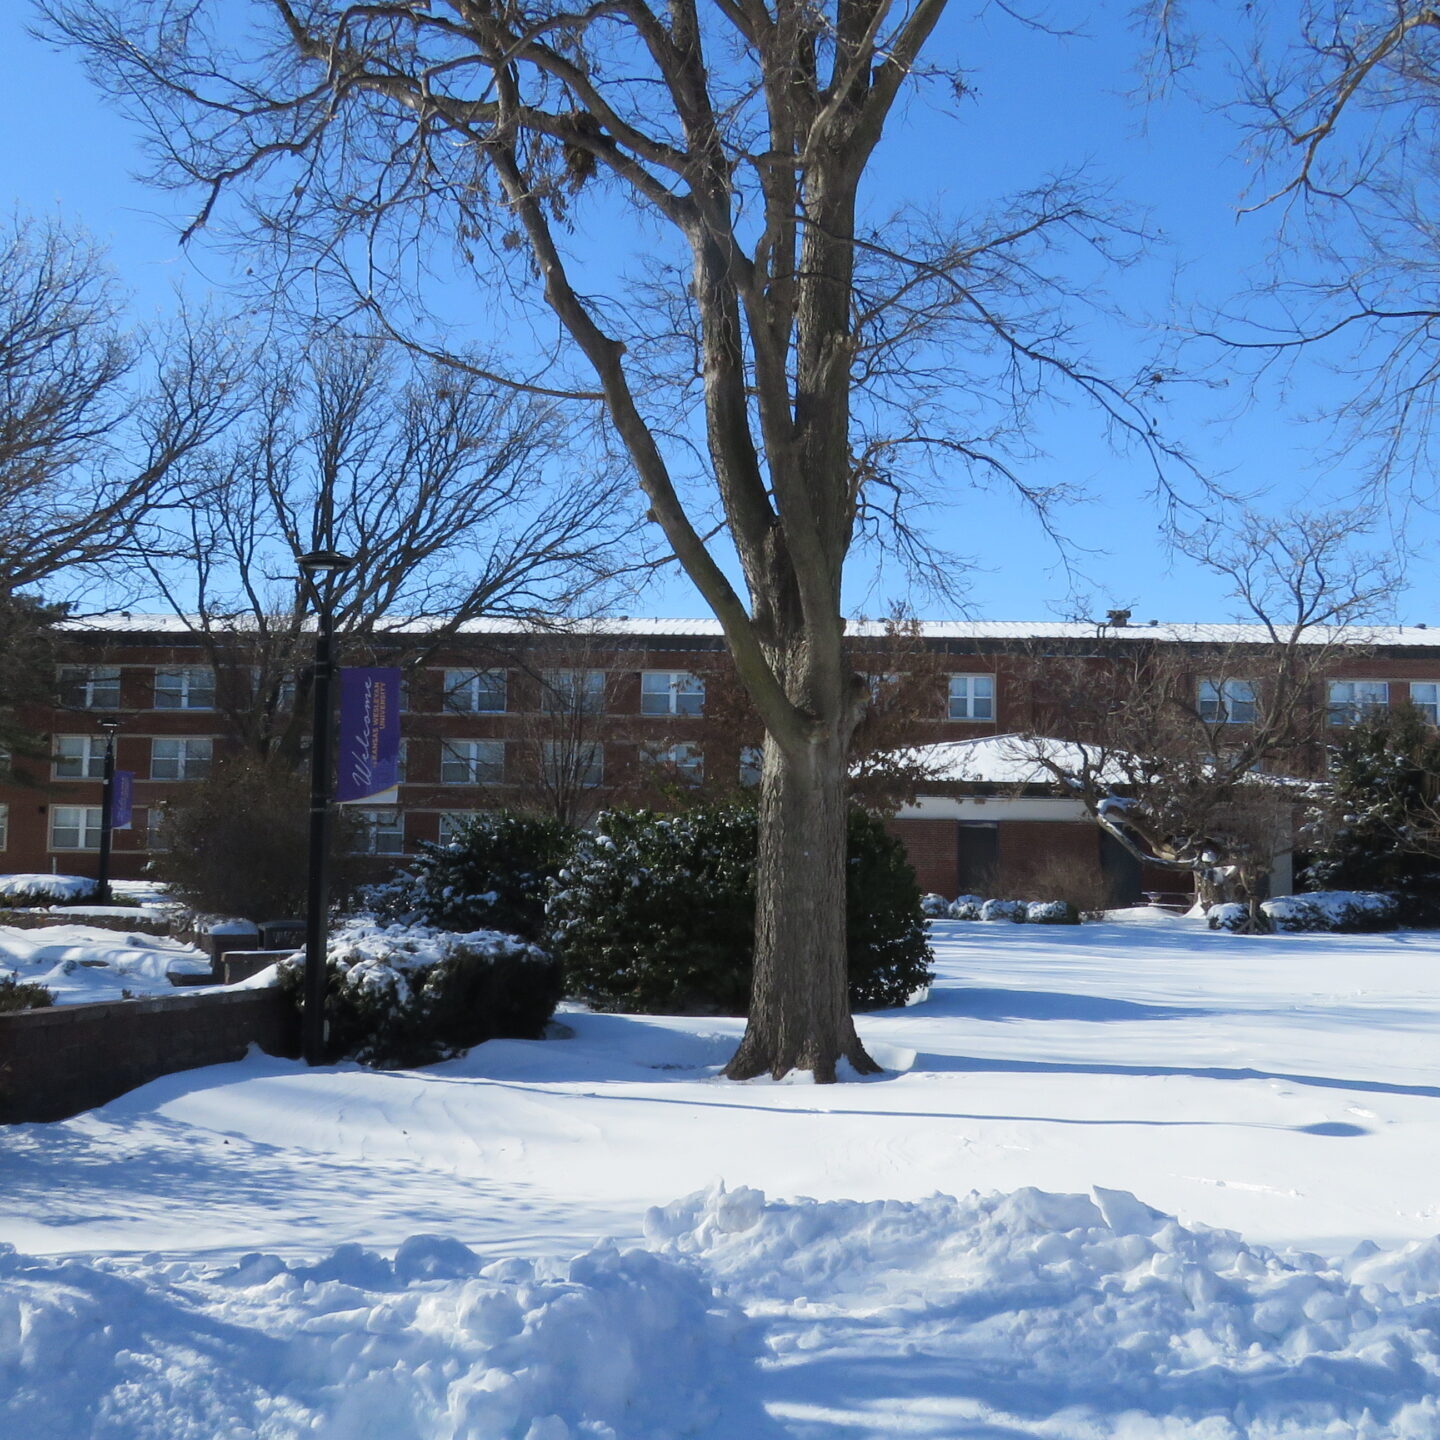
x=67, y=1058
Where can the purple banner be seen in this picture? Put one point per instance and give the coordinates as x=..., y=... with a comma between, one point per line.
x=122, y=799
x=369, y=766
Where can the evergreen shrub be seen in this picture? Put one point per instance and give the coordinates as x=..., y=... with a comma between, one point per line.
x=1378, y=830
x=399, y=996
x=1003, y=910
x=492, y=876
x=17, y=994
x=655, y=914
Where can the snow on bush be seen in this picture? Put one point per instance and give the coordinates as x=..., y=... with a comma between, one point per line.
x=493, y=875
x=1100, y=1308
x=934, y=906
x=608, y=1346
x=966, y=907
x=1003, y=910
x=42, y=889
x=1051, y=912
x=402, y=995
x=1343, y=911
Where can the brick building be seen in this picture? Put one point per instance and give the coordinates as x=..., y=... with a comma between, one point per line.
x=626, y=710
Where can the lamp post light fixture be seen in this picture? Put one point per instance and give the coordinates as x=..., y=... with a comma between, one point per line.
x=320, y=568
x=109, y=724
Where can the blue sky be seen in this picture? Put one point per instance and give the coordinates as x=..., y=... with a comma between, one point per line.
x=1042, y=105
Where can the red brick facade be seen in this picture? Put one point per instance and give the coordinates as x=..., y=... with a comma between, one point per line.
x=991, y=694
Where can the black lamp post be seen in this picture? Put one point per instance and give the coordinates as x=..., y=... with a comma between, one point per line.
x=109, y=724
x=320, y=568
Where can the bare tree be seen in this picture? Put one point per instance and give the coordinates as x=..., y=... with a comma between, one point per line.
x=1195, y=757
x=94, y=421
x=1337, y=98
x=453, y=500
x=784, y=360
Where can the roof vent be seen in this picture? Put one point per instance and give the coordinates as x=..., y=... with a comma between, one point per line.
x=1118, y=618
x=1421, y=625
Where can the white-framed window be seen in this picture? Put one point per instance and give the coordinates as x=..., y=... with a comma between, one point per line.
x=187, y=687
x=1227, y=702
x=1425, y=697
x=1351, y=700
x=74, y=827
x=572, y=692
x=453, y=822
x=377, y=832
x=972, y=697
x=752, y=764
x=282, y=686
x=687, y=760
x=90, y=687
x=174, y=757
x=671, y=692
x=402, y=763
x=78, y=757
x=472, y=762
x=475, y=692
x=4, y=826
x=883, y=684
x=565, y=763
x=156, y=837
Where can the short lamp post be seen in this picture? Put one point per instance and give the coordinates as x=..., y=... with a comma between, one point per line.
x=109, y=724
x=320, y=568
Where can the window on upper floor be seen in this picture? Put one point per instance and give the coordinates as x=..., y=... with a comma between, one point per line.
x=377, y=832
x=1425, y=697
x=475, y=692
x=1227, y=702
x=752, y=764
x=972, y=697
x=74, y=827
x=671, y=692
x=90, y=687
x=472, y=762
x=454, y=822
x=688, y=761
x=564, y=764
x=187, y=687
x=181, y=757
x=572, y=692
x=280, y=687
x=78, y=757
x=1352, y=700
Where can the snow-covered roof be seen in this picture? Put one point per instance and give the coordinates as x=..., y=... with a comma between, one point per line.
x=1003, y=760
x=1185, y=632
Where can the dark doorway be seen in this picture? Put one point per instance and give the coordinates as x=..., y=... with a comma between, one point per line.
x=1121, y=872
x=977, y=857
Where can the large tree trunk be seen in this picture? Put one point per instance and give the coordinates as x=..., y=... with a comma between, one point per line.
x=799, y=1006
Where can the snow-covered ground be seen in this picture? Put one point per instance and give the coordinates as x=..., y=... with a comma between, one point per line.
x=79, y=963
x=178, y=1247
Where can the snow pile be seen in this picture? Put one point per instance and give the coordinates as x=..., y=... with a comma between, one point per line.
x=80, y=963
x=1091, y=1312
x=608, y=1346
x=933, y=906
x=43, y=889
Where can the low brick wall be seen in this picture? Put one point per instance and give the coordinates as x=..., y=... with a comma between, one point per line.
x=125, y=924
x=59, y=1061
